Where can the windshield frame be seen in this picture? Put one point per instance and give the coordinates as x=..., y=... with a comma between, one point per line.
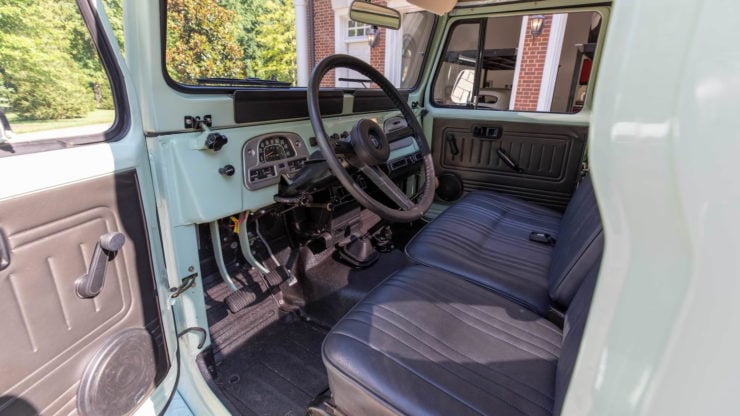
x=230, y=89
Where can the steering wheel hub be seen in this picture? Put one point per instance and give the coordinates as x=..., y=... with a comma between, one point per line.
x=369, y=143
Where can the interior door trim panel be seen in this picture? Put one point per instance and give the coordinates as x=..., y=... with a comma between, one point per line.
x=544, y=160
x=50, y=333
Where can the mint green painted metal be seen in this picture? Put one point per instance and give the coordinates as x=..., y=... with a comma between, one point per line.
x=521, y=7
x=662, y=335
x=188, y=175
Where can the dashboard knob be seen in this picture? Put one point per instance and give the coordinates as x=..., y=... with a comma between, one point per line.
x=215, y=141
x=227, y=170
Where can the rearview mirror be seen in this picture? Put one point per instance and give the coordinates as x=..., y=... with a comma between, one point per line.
x=374, y=15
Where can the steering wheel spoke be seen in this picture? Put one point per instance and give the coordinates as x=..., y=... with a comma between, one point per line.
x=389, y=188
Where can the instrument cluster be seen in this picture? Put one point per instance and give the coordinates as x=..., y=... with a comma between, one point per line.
x=268, y=156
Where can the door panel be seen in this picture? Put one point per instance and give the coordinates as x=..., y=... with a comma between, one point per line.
x=549, y=157
x=62, y=353
x=53, y=332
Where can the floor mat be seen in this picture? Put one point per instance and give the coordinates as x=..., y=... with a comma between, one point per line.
x=267, y=362
x=278, y=372
x=333, y=288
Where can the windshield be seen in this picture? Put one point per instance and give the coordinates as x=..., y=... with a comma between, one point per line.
x=276, y=43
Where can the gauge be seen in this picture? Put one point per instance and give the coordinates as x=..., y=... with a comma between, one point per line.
x=275, y=148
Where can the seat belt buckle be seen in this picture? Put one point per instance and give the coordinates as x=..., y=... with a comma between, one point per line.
x=542, y=238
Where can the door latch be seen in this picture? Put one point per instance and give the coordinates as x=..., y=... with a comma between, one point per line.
x=187, y=283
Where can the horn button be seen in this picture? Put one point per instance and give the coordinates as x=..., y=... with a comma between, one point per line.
x=370, y=143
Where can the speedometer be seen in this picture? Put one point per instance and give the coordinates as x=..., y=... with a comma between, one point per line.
x=275, y=148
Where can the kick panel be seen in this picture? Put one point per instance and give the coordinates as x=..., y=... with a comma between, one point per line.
x=50, y=333
x=539, y=163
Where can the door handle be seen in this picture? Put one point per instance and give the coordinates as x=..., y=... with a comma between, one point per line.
x=90, y=284
x=488, y=132
x=4, y=251
x=508, y=160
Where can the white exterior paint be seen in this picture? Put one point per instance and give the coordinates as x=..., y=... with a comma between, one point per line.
x=552, y=61
x=661, y=337
x=302, y=45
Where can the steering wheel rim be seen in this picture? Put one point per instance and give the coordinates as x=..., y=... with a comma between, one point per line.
x=367, y=148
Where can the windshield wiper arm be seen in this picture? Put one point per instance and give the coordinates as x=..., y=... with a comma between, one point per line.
x=357, y=80
x=244, y=81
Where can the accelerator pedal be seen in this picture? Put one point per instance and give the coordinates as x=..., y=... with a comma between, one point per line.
x=240, y=299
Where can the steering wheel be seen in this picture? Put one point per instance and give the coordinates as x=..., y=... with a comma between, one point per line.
x=367, y=148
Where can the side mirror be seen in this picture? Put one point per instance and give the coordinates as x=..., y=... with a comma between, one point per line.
x=374, y=15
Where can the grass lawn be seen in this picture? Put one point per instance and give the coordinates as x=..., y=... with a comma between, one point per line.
x=29, y=126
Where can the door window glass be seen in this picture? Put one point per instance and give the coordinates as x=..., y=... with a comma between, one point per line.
x=52, y=82
x=527, y=63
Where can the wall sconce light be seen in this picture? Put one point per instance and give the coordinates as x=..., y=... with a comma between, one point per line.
x=373, y=36
x=536, y=25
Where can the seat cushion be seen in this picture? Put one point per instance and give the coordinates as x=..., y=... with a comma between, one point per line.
x=485, y=238
x=428, y=342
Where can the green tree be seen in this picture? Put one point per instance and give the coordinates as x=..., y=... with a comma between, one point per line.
x=35, y=60
x=202, y=41
x=247, y=14
x=276, y=39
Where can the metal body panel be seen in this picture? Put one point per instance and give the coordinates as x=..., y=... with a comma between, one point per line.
x=661, y=337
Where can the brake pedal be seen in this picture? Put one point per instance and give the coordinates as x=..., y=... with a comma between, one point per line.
x=276, y=277
x=240, y=299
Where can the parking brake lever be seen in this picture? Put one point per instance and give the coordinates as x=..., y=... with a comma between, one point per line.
x=90, y=284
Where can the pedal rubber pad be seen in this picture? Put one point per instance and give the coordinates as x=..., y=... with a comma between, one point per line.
x=274, y=278
x=239, y=300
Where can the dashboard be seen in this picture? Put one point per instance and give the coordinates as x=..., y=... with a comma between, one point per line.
x=266, y=157
x=209, y=184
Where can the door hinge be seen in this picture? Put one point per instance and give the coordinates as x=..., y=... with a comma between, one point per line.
x=187, y=283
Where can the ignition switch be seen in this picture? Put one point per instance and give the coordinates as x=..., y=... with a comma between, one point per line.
x=227, y=170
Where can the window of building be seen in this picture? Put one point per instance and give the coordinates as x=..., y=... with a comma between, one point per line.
x=356, y=30
x=52, y=82
x=518, y=68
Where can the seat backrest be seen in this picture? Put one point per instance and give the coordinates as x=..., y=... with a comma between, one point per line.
x=579, y=245
x=575, y=323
